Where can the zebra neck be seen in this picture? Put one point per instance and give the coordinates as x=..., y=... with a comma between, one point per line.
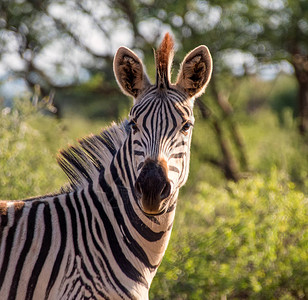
x=147, y=236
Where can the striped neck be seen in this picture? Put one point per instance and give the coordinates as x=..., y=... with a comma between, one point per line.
x=150, y=234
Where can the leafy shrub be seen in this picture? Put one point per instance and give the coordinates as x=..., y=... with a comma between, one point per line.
x=268, y=144
x=248, y=241
x=29, y=143
x=28, y=146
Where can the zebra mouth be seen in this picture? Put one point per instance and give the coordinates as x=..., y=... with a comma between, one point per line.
x=151, y=214
x=154, y=212
x=154, y=207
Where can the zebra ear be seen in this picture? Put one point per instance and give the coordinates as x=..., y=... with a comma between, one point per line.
x=129, y=72
x=195, y=72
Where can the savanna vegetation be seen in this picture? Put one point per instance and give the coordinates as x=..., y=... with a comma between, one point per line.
x=241, y=229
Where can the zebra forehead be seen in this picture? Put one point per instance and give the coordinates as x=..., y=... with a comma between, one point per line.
x=162, y=112
x=161, y=102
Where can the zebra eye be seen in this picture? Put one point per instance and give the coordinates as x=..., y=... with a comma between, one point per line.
x=134, y=126
x=186, y=128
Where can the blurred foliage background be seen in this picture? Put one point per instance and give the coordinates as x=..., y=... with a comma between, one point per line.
x=241, y=226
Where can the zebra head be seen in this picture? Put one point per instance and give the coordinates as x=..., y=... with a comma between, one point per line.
x=161, y=120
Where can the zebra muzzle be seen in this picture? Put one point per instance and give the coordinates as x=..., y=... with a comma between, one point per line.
x=153, y=187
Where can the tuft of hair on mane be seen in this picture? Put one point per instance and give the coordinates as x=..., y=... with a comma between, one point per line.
x=83, y=163
x=164, y=58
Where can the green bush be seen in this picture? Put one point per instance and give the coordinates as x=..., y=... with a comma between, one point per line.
x=248, y=241
x=29, y=144
x=28, y=147
x=267, y=144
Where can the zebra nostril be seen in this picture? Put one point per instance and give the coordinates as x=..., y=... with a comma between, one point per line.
x=138, y=189
x=166, y=191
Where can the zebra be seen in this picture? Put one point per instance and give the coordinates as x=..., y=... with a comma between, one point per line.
x=104, y=235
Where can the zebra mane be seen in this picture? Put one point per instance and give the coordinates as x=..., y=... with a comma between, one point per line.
x=84, y=162
x=163, y=60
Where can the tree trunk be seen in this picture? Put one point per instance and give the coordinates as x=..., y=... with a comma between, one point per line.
x=303, y=107
x=228, y=163
x=300, y=64
x=227, y=110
